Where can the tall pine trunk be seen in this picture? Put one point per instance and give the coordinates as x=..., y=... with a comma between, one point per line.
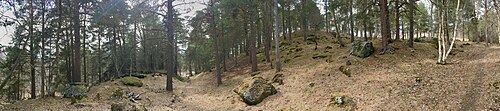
x=76, y=46
x=384, y=23
x=276, y=36
x=251, y=37
x=412, y=9
x=171, y=43
x=32, y=52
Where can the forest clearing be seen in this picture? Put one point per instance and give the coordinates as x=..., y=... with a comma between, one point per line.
x=249, y=55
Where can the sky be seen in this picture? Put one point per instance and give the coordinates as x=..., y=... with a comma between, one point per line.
x=6, y=32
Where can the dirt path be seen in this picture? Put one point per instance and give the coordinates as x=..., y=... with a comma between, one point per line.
x=470, y=98
x=482, y=67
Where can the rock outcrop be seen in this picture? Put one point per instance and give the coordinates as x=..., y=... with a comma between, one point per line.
x=255, y=90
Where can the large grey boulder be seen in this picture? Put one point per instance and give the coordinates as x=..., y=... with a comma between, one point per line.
x=254, y=90
x=361, y=49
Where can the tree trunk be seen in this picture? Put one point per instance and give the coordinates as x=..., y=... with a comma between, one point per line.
x=289, y=23
x=276, y=37
x=171, y=43
x=85, y=76
x=385, y=27
x=32, y=52
x=76, y=46
x=251, y=37
x=42, y=50
x=486, y=38
x=217, y=53
x=267, y=18
x=351, y=22
x=455, y=31
x=397, y=19
x=304, y=20
x=412, y=9
x=337, y=33
x=327, y=21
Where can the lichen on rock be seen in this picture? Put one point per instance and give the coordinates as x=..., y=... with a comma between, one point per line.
x=254, y=90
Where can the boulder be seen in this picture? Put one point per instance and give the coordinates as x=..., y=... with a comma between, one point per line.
x=76, y=91
x=131, y=81
x=254, y=90
x=361, y=49
x=127, y=106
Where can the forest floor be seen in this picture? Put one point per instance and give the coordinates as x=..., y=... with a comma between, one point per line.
x=404, y=80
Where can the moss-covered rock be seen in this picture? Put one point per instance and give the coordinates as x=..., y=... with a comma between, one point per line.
x=76, y=91
x=131, y=81
x=278, y=78
x=361, y=49
x=127, y=106
x=340, y=101
x=254, y=90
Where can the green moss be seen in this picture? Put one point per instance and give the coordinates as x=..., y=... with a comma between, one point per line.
x=131, y=81
x=116, y=92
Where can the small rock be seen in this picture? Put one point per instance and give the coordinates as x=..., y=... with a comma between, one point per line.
x=418, y=79
x=345, y=70
x=127, y=106
x=348, y=63
x=342, y=101
x=328, y=47
x=311, y=84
